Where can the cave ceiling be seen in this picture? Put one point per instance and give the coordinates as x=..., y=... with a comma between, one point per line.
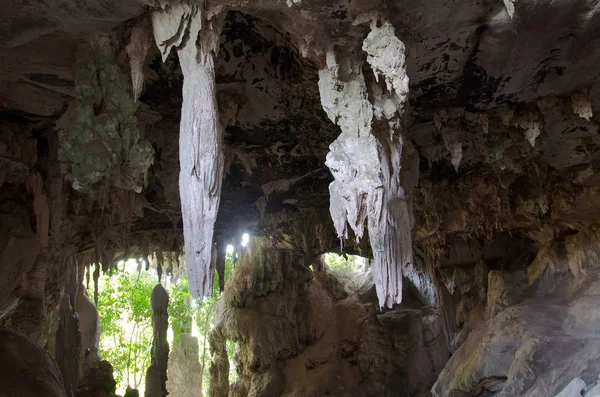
x=502, y=100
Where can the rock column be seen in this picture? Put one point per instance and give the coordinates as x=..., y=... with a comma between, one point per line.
x=156, y=376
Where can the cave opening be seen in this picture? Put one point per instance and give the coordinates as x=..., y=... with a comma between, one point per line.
x=125, y=334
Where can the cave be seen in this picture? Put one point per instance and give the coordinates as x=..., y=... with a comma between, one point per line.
x=361, y=197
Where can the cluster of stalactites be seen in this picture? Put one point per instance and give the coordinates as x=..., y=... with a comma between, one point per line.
x=195, y=35
x=366, y=161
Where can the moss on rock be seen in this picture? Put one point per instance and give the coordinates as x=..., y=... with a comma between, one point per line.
x=100, y=141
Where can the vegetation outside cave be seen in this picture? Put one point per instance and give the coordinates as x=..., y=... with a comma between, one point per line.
x=126, y=321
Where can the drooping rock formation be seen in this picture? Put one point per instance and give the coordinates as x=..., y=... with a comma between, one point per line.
x=200, y=134
x=366, y=158
x=156, y=376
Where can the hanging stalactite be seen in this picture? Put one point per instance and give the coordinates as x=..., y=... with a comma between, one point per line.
x=195, y=34
x=366, y=159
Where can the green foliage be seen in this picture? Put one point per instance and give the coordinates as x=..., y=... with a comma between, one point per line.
x=344, y=264
x=126, y=325
x=181, y=310
x=126, y=321
x=100, y=142
x=205, y=314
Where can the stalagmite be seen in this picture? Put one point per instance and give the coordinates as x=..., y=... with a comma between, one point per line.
x=184, y=370
x=185, y=377
x=89, y=325
x=68, y=345
x=156, y=376
x=200, y=137
x=366, y=158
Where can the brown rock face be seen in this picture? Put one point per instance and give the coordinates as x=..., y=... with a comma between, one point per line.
x=298, y=337
x=458, y=140
x=26, y=369
x=97, y=381
x=531, y=349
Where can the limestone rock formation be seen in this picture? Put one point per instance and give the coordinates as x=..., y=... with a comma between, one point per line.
x=156, y=376
x=296, y=337
x=89, y=326
x=111, y=152
x=533, y=348
x=184, y=373
x=200, y=138
x=458, y=140
x=68, y=344
x=97, y=381
x=26, y=369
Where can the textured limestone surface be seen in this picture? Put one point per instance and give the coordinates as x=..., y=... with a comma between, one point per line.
x=184, y=375
x=97, y=381
x=458, y=140
x=156, y=375
x=533, y=348
x=200, y=137
x=305, y=334
x=26, y=369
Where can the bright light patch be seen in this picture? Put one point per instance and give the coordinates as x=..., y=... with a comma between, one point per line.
x=245, y=239
x=230, y=249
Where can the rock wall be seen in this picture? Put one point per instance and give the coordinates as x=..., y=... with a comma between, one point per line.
x=26, y=369
x=303, y=334
x=540, y=330
x=531, y=349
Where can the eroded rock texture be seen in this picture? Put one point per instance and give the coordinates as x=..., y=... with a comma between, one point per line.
x=97, y=381
x=156, y=376
x=89, y=326
x=200, y=133
x=366, y=158
x=458, y=140
x=184, y=372
x=26, y=369
x=555, y=343
x=301, y=334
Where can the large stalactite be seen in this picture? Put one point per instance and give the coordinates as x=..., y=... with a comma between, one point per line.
x=366, y=158
x=201, y=160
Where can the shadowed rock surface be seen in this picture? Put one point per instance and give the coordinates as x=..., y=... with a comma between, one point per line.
x=454, y=144
x=26, y=369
